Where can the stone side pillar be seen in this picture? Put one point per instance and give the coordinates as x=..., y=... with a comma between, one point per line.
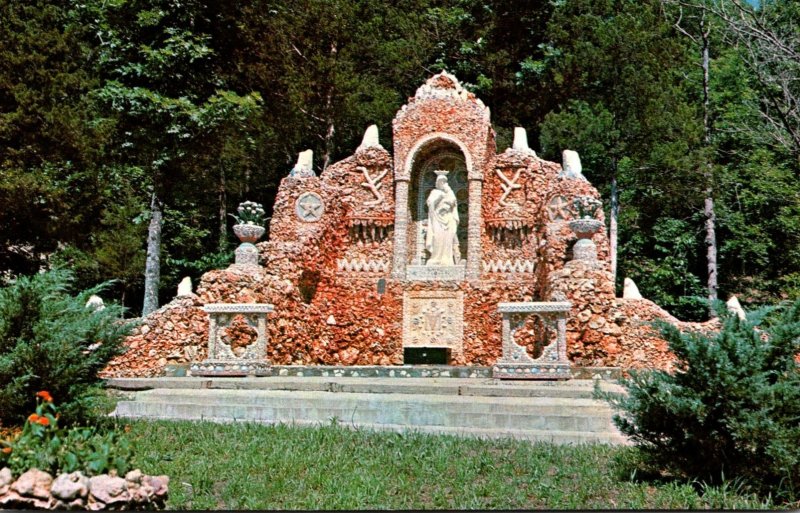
x=516, y=363
x=221, y=360
x=400, y=229
x=474, y=252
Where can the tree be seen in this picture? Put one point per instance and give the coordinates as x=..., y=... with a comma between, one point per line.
x=769, y=39
x=698, y=29
x=622, y=63
x=48, y=152
x=329, y=69
x=117, y=248
x=162, y=92
x=759, y=196
x=729, y=409
x=50, y=340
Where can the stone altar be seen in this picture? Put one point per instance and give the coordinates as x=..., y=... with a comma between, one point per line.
x=365, y=260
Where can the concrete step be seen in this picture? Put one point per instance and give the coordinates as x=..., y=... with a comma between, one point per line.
x=533, y=435
x=369, y=402
x=560, y=419
x=408, y=417
x=421, y=386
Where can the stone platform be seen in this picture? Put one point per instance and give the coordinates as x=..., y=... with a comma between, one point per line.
x=558, y=412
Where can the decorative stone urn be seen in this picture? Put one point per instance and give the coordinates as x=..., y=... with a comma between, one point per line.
x=246, y=253
x=585, y=248
x=248, y=232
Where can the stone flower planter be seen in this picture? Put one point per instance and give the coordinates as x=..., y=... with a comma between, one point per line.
x=248, y=232
x=585, y=249
x=585, y=228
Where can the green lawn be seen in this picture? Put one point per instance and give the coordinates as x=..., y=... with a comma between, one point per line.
x=250, y=466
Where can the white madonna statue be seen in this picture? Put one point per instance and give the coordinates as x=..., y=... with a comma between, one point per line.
x=441, y=241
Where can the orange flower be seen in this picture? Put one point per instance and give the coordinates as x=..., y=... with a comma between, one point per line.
x=45, y=395
x=6, y=450
x=33, y=418
x=44, y=421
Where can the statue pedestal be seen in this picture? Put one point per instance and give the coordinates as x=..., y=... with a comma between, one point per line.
x=435, y=272
x=246, y=254
x=585, y=249
x=516, y=363
x=224, y=360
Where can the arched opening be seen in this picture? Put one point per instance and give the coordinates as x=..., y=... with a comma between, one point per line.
x=438, y=157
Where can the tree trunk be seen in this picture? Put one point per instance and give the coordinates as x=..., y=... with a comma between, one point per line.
x=331, y=129
x=152, y=270
x=223, y=211
x=708, y=204
x=612, y=222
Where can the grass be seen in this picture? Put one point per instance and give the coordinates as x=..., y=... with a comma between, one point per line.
x=253, y=466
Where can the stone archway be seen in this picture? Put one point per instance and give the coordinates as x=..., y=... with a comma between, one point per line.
x=436, y=151
x=441, y=158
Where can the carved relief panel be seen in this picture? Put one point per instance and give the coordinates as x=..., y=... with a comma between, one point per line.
x=434, y=319
x=372, y=215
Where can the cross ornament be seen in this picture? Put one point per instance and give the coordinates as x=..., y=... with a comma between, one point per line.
x=373, y=184
x=508, y=186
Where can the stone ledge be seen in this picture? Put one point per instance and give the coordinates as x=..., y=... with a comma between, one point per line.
x=238, y=308
x=231, y=368
x=435, y=273
x=534, y=307
x=360, y=371
x=532, y=371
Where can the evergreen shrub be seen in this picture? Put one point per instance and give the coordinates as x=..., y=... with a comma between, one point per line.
x=730, y=412
x=50, y=340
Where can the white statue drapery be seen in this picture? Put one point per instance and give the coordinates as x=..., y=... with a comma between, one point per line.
x=441, y=240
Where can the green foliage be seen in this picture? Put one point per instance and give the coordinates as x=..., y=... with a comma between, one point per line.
x=48, y=147
x=589, y=130
x=46, y=446
x=208, y=262
x=118, y=247
x=759, y=225
x=730, y=409
x=49, y=340
x=624, y=106
x=661, y=265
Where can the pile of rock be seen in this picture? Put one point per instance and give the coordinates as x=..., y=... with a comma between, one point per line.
x=36, y=489
x=643, y=344
x=175, y=333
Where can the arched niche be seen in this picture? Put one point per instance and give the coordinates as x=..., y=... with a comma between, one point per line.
x=446, y=158
x=414, y=182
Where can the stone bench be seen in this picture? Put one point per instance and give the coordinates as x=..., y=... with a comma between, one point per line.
x=225, y=360
x=516, y=363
